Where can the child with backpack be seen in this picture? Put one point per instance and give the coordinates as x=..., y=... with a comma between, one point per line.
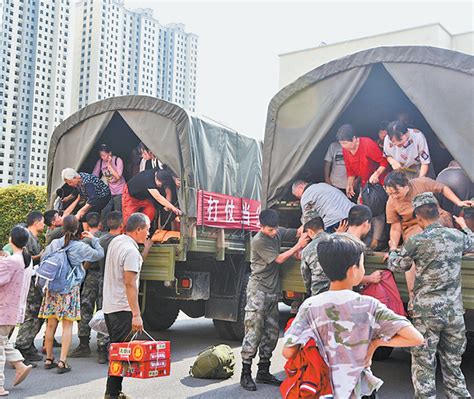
x=15, y=278
x=60, y=275
x=346, y=326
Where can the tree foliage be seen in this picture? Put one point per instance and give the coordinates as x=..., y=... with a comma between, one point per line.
x=15, y=204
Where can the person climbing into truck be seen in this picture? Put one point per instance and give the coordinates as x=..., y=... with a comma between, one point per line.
x=327, y=201
x=263, y=292
x=148, y=192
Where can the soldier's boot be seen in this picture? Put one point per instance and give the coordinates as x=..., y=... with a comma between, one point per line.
x=264, y=376
x=103, y=354
x=82, y=350
x=31, y=354
x=246, y=380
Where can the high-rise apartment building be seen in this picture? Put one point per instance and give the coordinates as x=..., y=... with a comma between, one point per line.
x=33, y=67
x=118, y=51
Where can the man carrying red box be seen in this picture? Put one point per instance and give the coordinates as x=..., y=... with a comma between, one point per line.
x=121, y=281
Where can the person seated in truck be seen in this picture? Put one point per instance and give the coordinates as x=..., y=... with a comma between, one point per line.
x=334, y=167
x=328, y=318
x=457, y=180
x=150, y=161
x=148, y=192
x=399, y=208
x=93, y=190
x=382, y=133
x=325, y=200
x=437, y=305
x=362, y=157
x=109, y=168
x=407, y=150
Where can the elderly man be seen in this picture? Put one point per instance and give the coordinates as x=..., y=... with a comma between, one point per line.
x=121, y=281
x=327, y=201
x=91, y=189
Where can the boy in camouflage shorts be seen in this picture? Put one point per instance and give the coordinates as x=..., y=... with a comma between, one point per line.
x=437, y=304
x=347, y=327
x=263, y=291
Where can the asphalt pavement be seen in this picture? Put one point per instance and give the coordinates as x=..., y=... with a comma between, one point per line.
x=188, y=337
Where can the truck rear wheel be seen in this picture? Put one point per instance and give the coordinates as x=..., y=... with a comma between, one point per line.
x=160, y=314
x=382, y=353
x=224, y=329
x=238, y=327
x=193, y=309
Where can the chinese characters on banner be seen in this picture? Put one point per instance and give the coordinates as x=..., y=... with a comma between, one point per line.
x=225, y=211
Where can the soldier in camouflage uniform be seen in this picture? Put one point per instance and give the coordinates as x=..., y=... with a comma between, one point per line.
x=32, y=324
x=315, y=280
x=263, y=290
x=347, y=327
x=91, y=299
x=437, y=304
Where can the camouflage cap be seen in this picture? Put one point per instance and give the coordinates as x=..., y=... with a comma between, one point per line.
x=309, y=215
x=423, y=199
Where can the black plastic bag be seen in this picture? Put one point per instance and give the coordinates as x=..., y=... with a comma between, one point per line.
x=375, y=197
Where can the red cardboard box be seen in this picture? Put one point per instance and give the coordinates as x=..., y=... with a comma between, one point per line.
x=152, y=369
x=139, y=351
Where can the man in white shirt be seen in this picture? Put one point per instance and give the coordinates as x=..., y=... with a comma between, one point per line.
x=407, y=149
x=121, y=282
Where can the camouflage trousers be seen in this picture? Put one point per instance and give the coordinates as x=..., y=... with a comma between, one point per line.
x=261, y=326
x=91, y=298
x=447, y=337
x=32, y=324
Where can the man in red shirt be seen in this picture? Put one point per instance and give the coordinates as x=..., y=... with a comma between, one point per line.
x=363, y=159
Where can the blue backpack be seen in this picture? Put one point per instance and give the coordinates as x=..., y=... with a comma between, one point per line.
x=55, y=272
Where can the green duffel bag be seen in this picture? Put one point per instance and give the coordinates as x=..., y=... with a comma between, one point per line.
x=215, y=362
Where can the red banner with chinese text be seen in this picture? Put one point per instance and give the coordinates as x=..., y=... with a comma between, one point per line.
x=227, y=212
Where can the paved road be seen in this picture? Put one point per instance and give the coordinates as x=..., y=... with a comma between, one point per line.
x=188, y=337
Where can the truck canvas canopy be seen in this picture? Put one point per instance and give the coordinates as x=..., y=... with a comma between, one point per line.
x=205, y=154
x=435, y=86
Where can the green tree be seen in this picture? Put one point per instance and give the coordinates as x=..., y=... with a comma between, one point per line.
x=15, y=204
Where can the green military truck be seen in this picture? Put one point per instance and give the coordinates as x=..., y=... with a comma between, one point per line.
x=433, y=86
x=204, y=271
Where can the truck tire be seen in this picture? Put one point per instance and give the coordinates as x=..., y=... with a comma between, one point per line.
x=238, y=327
x=224, y=329
x=382, y=353
x=160, y=314
x=193, y=309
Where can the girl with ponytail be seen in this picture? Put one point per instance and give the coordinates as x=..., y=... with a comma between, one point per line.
x=15, y=278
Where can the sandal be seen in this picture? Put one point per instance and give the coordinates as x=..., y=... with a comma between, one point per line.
x=50, y=365
x=65, y=368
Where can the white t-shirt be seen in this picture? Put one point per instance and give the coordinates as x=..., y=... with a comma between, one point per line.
x=414, y=152
x=338, y=173
x=122, y=255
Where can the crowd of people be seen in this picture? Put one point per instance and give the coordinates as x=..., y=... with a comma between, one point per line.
x=104, y=264
x=337, y=228
x=97, y=222
x=100, y=218
x=150, y=188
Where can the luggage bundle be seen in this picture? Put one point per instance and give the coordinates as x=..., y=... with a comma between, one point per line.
x=140, y=359
x=214, y=362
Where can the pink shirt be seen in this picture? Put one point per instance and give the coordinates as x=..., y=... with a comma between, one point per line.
x=116, y=186
x=15, y=282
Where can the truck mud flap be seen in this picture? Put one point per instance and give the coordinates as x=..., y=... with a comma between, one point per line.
x=197, y=287
x=159, y=264
x=290, y=276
